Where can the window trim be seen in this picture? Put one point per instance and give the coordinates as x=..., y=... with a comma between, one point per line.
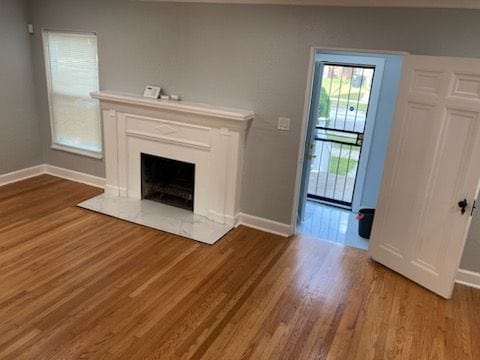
x=77, y=151
x=46, y=58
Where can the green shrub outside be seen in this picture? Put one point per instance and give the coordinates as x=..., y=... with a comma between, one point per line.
x=324, y=104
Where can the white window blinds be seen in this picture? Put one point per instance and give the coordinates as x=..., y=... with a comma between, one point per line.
x=72, y=73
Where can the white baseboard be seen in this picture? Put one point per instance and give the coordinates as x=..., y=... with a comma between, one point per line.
x=22, y=174
x=52, y=170
x=255, y=222
x=75, y=176
x=263, y=224
x=468, y=278
x=464, y=277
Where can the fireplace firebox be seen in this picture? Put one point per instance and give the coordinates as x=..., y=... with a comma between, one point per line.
x=168, y=181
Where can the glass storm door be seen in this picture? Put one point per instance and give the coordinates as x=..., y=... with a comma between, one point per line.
x=341, y=113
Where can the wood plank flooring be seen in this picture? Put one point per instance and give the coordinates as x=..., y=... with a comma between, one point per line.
x=80, y=285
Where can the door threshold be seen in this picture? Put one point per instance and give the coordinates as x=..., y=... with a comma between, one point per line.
x=324, y=202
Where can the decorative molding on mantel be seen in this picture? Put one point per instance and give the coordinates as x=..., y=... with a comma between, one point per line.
x=228, y=114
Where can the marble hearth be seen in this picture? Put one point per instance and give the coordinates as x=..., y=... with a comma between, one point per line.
x=212, y=138
x=159, y=216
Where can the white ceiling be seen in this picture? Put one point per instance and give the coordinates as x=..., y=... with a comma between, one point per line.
x=460, y=4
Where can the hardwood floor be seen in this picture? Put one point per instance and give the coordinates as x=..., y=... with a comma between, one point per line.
x=76, y=284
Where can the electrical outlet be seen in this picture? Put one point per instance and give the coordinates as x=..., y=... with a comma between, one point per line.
x=283, y=123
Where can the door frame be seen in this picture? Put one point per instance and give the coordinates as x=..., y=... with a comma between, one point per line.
x=306, y=112
x=316, y=75
x=379, y=63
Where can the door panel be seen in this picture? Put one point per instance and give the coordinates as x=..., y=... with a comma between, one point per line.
x=459, y=125
x=420, y=231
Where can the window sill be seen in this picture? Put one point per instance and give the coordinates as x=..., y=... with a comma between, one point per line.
x=72, y=150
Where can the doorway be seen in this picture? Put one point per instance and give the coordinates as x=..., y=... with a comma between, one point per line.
x=344, y=98
x=431, y=183
x=351, y=107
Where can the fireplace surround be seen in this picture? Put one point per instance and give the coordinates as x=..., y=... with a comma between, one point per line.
x=211, y=139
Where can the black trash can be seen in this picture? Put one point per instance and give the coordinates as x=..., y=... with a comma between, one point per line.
x=365, y=222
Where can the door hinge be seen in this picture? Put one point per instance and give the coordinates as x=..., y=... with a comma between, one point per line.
x=474, y=206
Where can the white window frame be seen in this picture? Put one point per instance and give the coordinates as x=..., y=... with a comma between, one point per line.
x=46, y=57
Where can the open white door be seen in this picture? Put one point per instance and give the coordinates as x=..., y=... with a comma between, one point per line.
x=310, y=138
x=433, y=163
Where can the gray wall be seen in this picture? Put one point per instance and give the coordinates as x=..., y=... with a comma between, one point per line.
x=471, y=253
x=381, y=132
x=19, y=127
x=252, y=57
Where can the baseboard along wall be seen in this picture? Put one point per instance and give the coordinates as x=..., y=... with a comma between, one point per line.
x=464, y=277
x=256, y=222
x=52, y=170
x=468, y=278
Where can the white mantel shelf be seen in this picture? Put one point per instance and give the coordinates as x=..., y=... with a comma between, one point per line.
x=176, y=106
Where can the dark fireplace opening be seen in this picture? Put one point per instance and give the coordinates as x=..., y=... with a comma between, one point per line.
x=168, y=181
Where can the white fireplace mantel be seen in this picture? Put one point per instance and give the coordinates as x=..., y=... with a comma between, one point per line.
x=212, y=138
x=215, y=115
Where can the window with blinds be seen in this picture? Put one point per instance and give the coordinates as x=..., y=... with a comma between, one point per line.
x=72, y=73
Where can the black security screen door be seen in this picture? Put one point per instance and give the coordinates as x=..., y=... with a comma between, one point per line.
x=342, y=113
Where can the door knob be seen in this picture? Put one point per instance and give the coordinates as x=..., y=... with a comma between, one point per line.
x=463, y=205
